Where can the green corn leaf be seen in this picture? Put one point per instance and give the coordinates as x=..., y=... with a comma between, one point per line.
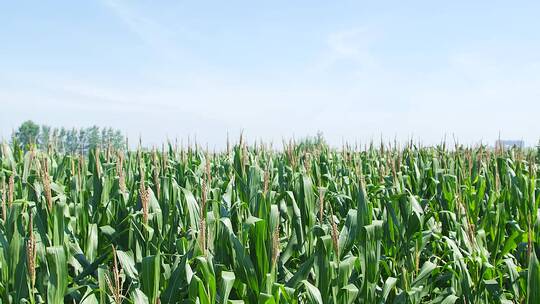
x=58, y=278
x=150, y=276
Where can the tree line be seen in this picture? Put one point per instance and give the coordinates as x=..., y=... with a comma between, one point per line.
x=75, y=140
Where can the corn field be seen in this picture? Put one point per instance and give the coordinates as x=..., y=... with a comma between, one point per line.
x=309, y=224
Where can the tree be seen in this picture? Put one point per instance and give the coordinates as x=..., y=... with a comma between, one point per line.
x=44, y=137
x=538, y=151
x=27, y=134
x=93, y=137
x=76, y=140
x=72, y=141
x=118, y=140
x=82, y=142
x=61, y=139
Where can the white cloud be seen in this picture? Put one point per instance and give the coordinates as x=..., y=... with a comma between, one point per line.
x=352, y=94
x=157, y=35
x=351, y=48
x=353, y=44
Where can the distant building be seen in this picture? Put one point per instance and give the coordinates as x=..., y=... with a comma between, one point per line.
x=506, y=144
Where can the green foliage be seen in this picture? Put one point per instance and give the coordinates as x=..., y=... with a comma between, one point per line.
x=68, y=141
x=306, y=225
x=27, y=133
x=538, y=152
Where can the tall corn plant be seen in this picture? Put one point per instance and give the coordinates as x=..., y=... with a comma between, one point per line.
x=308, y=224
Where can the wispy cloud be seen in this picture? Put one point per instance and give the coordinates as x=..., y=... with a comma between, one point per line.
x=367, y=79
x=350, y=47
x=161, y=37
x=353, y=44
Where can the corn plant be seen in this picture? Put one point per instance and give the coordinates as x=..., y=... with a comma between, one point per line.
x=308, y=224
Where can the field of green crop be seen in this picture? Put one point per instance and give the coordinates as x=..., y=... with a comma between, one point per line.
x=308, y=224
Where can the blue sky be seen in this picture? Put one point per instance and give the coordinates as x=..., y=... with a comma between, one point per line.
x=355, y=70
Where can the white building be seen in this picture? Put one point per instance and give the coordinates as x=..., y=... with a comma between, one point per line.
x=507, y=144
